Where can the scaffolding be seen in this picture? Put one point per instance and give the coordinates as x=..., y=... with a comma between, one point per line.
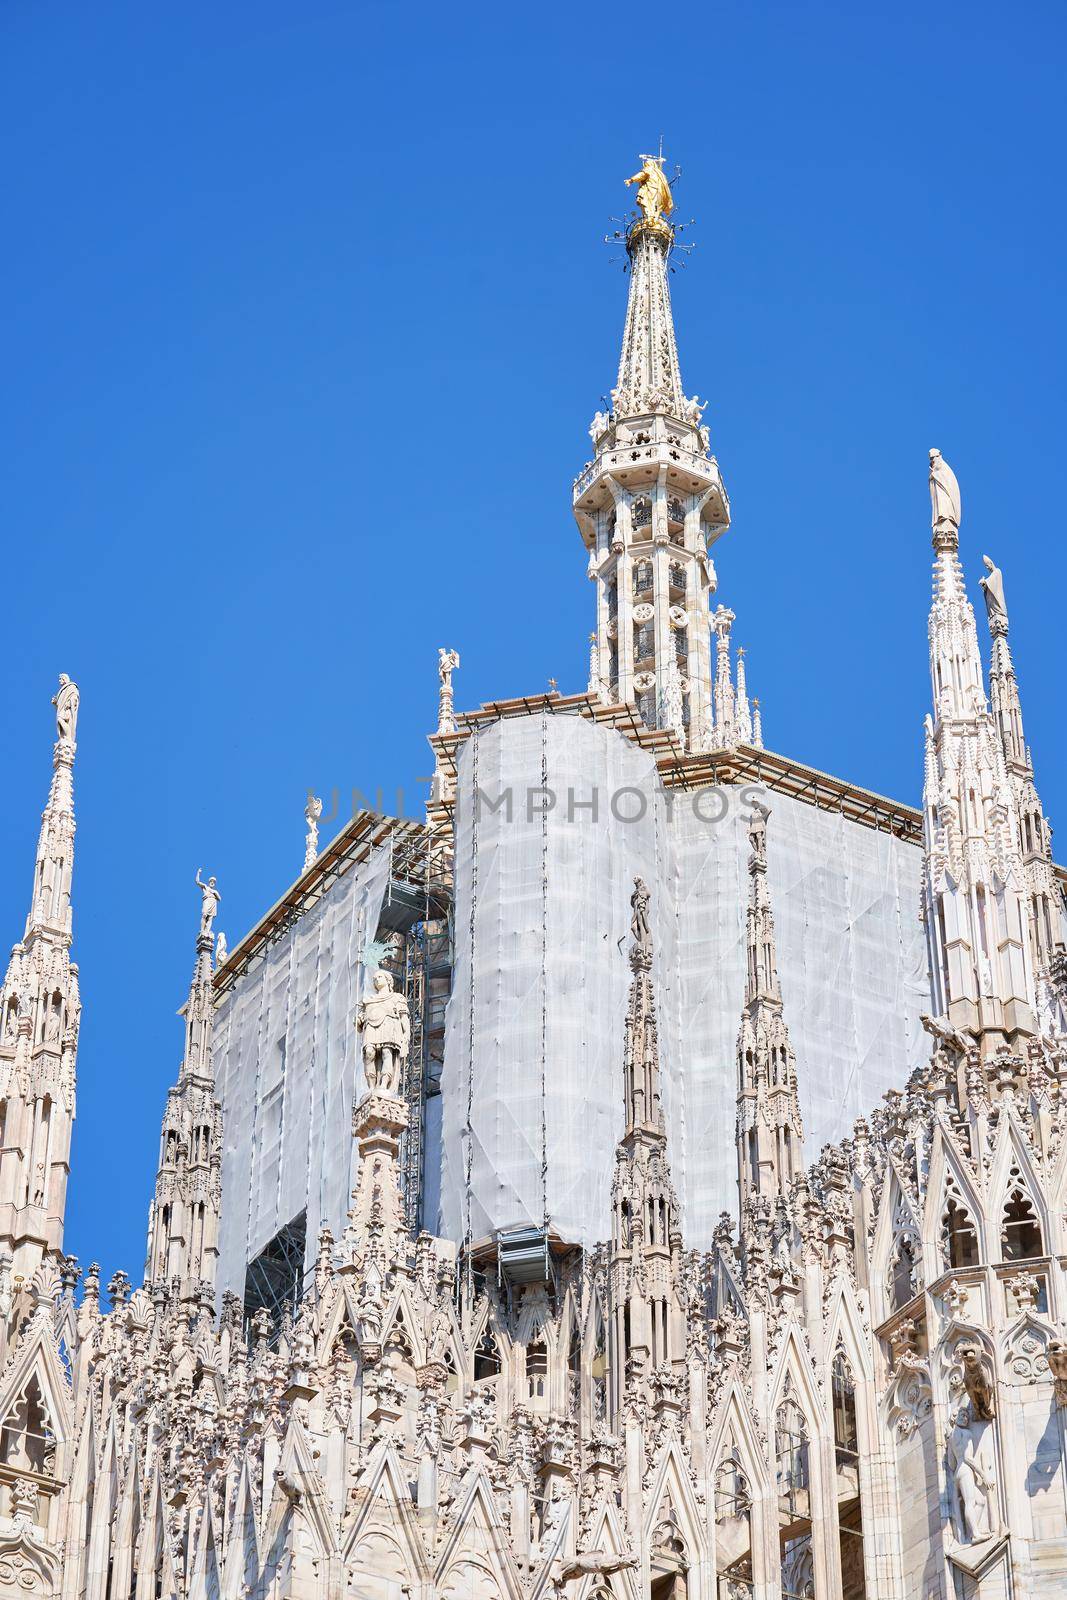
x=416, y=924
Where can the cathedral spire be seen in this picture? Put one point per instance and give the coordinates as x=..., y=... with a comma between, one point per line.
x=649, y=377
x=1045, y=901
x=651, y=502
x=646, y=1232
x=183, y=1220
x=769, y=1127
x=39, y=1034
x=974, y=885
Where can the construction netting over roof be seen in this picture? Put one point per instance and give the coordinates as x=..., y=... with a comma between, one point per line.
x=287, y=1065
x=532, y=1083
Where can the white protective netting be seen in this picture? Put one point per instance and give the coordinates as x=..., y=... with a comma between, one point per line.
x=287, y=1068
x=532, y=1083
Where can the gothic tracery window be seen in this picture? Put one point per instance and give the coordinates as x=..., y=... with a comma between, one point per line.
x=536, y=1369
x=486, y=1356
x=1020, y=1228
x=793, y=1461
x=959, y=1239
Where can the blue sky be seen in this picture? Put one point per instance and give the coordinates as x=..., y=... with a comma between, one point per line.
x=308, y=312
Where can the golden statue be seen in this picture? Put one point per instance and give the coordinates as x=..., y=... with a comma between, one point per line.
x=653, y=191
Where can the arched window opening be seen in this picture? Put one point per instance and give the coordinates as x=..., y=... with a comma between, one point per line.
x=846, y=1455
x=536, y=1369
x=646, y=707
x=793, y=1460
x=26, y=1440
x=398, y=1351
x=641, y=513
x=1020, y=1232
x=733, y=1527
x=486, y=1357
x=644, y=641
x=642, y=578
x=574, y=1371
x=959, y=1237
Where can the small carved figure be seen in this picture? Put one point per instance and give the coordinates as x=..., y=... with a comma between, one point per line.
x=210, y=897
x=437, y=1337
x=1056, y=1354
x=944, y=495
x=66, y=701
x=599, y=425
x=977, y=1382
x=942, y=1030
x=38, y=1184
x=653, y=191
x=993, y=589
x=972, y=1481
x=221, y=952
x=51, y=1030
x=312, y=813
x=447, y=662
x=639, y=928
x=385, y=1025
x=757, y=829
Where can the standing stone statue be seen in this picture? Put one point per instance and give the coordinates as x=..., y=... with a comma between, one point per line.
x=642, y=933
x=312, y=813
x=971, y=1480
x=385, y=1026
x=209, y=905
x=447, y=662
x=944, y=495
x=993, y=589
x=221, y=951
x=66, y=700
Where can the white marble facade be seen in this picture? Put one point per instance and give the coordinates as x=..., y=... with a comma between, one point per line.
x=856, y=1388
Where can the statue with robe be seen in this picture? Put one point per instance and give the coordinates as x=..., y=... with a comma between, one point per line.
x=65, y=700
x=944, y=495
x=642, y=933
x=993, y=589
x=384, y=1023
x=653, y=191
x=209, y=901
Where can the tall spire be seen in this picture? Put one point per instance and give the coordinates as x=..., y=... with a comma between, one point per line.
x=649, y=378
x=183, y=1220
x=1045, y=902
x=39, y=1033
x=973, y=896
x=646, y=1232
x=652, y=502
x=769, y=1128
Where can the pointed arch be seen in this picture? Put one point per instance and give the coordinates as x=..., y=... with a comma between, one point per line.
x=475, y=1562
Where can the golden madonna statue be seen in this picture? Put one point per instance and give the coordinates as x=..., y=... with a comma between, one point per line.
x=653, y=191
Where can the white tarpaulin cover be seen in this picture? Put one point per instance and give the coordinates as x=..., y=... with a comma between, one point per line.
x=287, y=1067
x=532, y=1083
